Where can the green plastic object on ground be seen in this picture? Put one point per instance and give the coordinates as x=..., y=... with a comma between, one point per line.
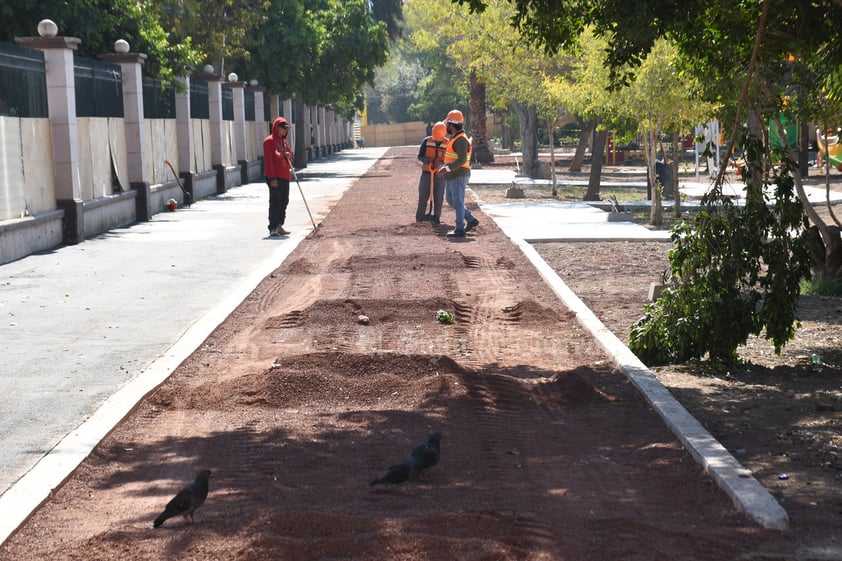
x=444, y=316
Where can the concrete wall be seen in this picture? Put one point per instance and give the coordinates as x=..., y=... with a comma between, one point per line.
x=27, y=182
x=400, y=134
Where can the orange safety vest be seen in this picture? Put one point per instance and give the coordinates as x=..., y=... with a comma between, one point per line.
x=433, y=151
x=450, y=155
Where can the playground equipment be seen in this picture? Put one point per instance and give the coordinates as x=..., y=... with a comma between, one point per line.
x=829, y=149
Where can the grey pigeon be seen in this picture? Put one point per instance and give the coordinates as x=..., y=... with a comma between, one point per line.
x=432, y=451
x=187, y=500
x=407, y=470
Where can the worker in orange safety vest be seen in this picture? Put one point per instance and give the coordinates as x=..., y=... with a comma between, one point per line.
x=457, y=172
x=431, y=155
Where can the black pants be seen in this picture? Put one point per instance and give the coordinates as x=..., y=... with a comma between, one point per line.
x=278, y=201
x=424, y=196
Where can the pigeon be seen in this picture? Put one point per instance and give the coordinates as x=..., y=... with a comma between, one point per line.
x=187, y=500
x=407, y=470
x=432, y=451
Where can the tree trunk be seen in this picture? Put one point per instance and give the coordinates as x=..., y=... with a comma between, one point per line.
x=825, y=241
x=528, y=116
x=581, y=148
x=656, y=213
x=479, y=129
x=676, y=194
x=597, y=156
x=552, y=160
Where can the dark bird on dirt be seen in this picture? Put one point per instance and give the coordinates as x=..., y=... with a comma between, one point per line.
x=407, y=470
x=187, y=500
x=432, y=452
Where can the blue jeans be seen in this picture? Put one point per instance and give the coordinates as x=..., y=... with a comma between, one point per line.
x=455, y=193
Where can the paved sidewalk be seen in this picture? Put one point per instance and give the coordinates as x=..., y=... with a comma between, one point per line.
x=558, y=221
x=87, y=330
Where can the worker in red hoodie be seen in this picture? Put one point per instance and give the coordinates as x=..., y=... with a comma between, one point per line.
x=277, y=158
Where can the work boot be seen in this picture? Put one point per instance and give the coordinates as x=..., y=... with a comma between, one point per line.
x=281, y=232
x=472, y=223
x=456, y=234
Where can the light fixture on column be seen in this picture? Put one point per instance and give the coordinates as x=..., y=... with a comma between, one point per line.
x=121, y=46
x=252, y=82
x=233, y=77
x=47, y=28
x=208, y=69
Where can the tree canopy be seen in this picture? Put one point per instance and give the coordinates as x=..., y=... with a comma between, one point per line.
x=739, y=266
x=324, y=49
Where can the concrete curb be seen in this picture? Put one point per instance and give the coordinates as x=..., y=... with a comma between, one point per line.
x=747, y=494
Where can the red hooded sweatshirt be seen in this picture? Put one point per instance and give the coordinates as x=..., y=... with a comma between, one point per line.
x=276, y=153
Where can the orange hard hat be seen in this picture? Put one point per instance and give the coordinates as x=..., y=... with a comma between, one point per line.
x=439, y=131
x=172, y=204
x=455, y=116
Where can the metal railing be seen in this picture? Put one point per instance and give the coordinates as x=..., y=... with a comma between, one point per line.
x=23, y=85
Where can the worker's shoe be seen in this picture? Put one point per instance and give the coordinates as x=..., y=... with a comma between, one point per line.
x=456, y=234
x=281, y=232
x=472, y=223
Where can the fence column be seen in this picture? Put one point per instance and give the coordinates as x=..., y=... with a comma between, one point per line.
x=238, y=90
x=61, y=98
x=184, y=127
x=130, y=66
x=331, y=131
x=321, y=130
x=216, y=131
x=259, y=120
x=310, y=133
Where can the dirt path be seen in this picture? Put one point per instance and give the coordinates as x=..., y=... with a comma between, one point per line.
x=295, y=405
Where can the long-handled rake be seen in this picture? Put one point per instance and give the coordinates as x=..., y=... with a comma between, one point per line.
x=300, y=190
x=185, y=194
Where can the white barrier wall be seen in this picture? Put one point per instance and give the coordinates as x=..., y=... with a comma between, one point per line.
x=201, y=157
x=27, y=181
x=161, y=144
x=102, y=146
x=229, y=145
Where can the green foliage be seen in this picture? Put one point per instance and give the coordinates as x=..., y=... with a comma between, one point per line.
x=98, y=23
x=444, y=85
x=824, y=287
x=326, y=50
x=287, y=39
x=398, y=83
x=221, y=30
x=739, y=270
x=352, y=45
x=389, y=12
x=438, y=93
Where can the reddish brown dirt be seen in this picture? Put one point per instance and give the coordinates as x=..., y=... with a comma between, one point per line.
x=548, y=453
